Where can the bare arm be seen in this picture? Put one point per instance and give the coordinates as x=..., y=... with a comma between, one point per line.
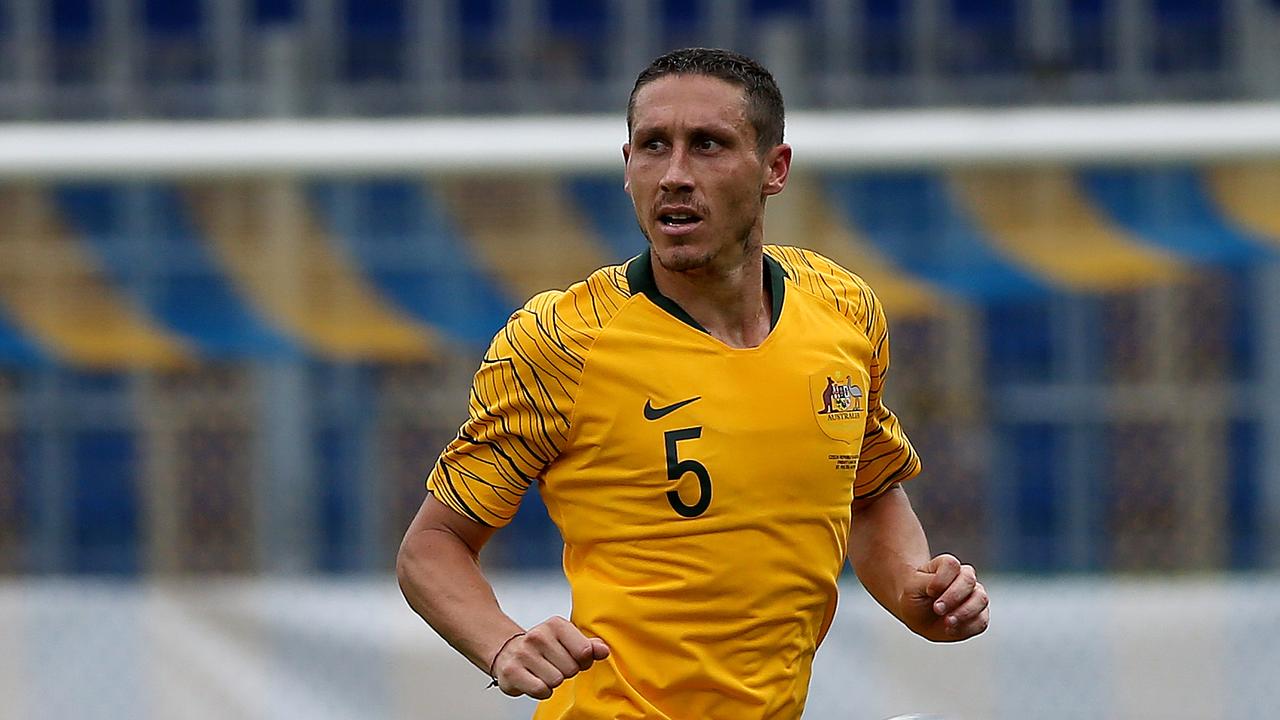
x=439, y=571
x=937, y=598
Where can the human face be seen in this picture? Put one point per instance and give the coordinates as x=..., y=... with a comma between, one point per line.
x=694, y=175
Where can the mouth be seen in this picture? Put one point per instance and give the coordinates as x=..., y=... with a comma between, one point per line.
x=678, y=222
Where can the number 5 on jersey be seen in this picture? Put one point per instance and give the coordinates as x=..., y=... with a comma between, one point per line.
x=677, y=468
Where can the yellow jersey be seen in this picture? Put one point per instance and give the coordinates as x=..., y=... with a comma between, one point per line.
x=703, y=491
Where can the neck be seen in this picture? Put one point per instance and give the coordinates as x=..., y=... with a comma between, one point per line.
x=729, y=300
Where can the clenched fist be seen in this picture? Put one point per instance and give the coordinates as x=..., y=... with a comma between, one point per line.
x=944, y=601
x=546, y=655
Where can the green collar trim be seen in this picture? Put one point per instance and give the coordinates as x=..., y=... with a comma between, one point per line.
x=640, y=280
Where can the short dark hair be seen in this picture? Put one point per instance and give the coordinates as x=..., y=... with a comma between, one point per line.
x=764, y=100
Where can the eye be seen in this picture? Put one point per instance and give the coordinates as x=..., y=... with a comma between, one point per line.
x=653, y=144
x=706, y=144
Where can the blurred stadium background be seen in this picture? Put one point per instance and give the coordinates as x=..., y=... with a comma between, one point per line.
x=220, y=393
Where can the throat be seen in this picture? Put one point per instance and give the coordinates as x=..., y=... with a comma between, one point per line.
x=735, y=308
x=744, y=334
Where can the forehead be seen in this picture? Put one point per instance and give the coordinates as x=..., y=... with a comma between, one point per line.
x=690, y=100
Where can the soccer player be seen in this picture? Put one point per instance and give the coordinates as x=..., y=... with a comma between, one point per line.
x=707, y=426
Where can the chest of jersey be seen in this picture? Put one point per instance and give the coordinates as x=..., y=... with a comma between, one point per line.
x=677, y=435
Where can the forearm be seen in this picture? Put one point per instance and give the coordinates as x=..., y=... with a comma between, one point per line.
x=441, y=579
x=887, y=546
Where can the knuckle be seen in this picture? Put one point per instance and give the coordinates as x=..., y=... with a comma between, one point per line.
x=514, y=687
x=522, y=653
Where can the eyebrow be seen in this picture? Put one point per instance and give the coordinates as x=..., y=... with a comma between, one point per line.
x=701, y=128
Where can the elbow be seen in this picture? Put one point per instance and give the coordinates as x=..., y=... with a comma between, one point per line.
x=402, y=569
x=424, y=555
x=402, y=564
x=409, y=569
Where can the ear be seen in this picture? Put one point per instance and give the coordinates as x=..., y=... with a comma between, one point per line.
x=777, y=168
x=626, y=157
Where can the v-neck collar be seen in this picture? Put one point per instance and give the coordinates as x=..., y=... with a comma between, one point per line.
x=640, y=280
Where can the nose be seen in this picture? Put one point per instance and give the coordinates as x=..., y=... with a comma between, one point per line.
x=677, y=178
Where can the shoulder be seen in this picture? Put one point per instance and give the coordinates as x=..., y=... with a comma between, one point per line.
x=564, y=323
x=824, y=279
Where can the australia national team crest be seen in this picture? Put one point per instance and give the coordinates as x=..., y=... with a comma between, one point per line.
x=839, y=401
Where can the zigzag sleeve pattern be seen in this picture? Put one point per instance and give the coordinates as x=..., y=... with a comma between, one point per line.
x=521, y=405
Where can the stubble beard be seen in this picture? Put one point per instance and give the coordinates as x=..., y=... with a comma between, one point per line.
x=690, y=257
x=684, y=258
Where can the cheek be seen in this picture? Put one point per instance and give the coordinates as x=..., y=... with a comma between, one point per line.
x=638, y=178
x=742, y=196
x=638, y=203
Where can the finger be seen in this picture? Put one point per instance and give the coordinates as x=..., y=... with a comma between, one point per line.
x=958, y=591
x=945, y=569
x=971, y=606
x=578, y=650
x=556, y=651
x=974, y=626
x=522, y=667
x=546, y=671
x=965, y=612
x=556, y=642
x=599, y=650
x=519, y=681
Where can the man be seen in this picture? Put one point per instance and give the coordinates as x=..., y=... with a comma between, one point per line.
x=707, y=429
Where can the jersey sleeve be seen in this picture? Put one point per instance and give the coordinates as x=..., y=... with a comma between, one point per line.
x=887, y=455
x=518, y=418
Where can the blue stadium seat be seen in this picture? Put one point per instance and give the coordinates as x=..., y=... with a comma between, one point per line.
x=274, y=12
x=173, y=17
x=339, y=448
x=76, y=31
x=105, y=477
x=1244, y=496
x=169, y=269
x=1188, y=36
x=1037, y=451
x=982, y=38
x=581, y=38
x=685, y=23
x=375, y=40
x=1020, y=345
x=1170, y=207
x=15, y=349
x=912, y=217
x=402, y=241
x=885, y=43
x=1091, y=47
x=72, y=18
